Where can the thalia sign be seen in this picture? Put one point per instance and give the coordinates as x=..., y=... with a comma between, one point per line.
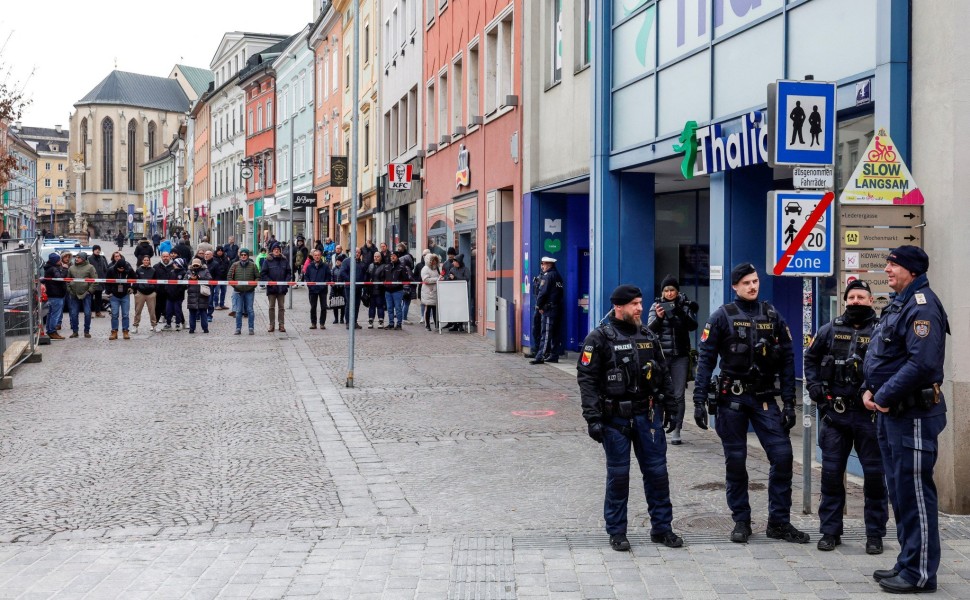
x=706, y=150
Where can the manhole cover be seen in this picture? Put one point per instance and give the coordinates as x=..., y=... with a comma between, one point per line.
x=705, y=522
x=710, y=486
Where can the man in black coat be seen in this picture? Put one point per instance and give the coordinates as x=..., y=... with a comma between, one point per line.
x=549, y=304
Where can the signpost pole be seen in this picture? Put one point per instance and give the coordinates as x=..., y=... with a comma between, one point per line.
x=352, y=251
x=808, y=441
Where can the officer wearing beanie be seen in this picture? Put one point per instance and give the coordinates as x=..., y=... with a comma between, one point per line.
x=754, y=345
x=673, y=317
x=903, y=372
x=627, y=400
x=833, y=374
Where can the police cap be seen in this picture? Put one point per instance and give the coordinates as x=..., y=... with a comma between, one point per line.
x=911, y=258
x=625, y=294
x=856, y=284
x=741, y=271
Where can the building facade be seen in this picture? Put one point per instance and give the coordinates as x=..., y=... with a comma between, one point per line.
x=295, y=115
x=201, y=119
x=325, y=40
x=368, y=102
x=159, y=187
x=20, y=193
x=401, y=52
x=227, y=131
x=472, y=126
x=54, y=213
x=124, y=122
x=556, y=150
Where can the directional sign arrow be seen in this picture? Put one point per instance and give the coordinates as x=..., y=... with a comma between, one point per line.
x=911, y=238
x=910, y=216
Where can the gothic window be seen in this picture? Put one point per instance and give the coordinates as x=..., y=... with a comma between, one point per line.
x=131, y=155
x=151, y=140
x=107, y=154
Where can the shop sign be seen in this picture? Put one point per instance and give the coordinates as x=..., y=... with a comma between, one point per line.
x=706, y=150
x=399, y=176
x=304, y=200
x=339, y=169
x=463, y=175
x=881, y=177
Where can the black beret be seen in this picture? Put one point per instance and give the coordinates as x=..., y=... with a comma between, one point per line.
x=856, y=284
x=911, y=258
x=741, y=271
x=671, y=281
x=625, y=294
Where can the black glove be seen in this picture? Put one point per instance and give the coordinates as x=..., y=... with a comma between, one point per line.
x=669, y=425
x=595, y=429
x=700, y=414
x=788, y=416
x=816, y=393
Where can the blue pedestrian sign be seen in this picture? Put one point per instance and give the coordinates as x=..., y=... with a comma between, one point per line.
x=801, y=118
x=793, y=218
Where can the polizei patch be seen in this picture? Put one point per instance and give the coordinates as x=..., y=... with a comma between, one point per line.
x=921, y=328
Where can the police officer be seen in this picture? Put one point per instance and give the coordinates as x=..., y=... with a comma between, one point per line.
x=627, y=400
x=754, y=345
x=536, y=329
x=833, y=373
x=903, y=371
x=549, y=305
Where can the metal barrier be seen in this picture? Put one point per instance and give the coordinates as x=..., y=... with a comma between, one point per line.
x=22, y=317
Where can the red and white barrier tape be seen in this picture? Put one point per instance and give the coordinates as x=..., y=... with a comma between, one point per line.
x=216, y=282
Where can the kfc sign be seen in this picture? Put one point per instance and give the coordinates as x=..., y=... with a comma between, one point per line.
x=399, y=176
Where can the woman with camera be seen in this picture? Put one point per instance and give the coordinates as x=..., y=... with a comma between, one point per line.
x=673, y=317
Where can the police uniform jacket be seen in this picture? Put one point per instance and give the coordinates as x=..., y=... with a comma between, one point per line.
x=617, y=344
x=550, y=290
x=851, y=340
x=722, y=331
x=907, y=350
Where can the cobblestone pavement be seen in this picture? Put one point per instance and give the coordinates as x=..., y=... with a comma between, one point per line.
x=204, y=466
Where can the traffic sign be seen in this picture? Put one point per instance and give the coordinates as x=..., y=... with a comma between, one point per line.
x=801, y=121
x=880, y=237
x=890, y=216
x=813, y=178
x=399, y=176
x=801, y=244
x=881, y=177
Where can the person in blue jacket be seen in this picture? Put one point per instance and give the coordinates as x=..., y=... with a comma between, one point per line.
x=903, y=372
x=753, y=344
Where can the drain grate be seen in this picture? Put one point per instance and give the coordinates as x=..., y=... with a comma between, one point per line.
x=482, y=568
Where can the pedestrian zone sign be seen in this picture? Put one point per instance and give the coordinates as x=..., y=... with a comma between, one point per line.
x=803, y=218
x=399, y=176
x=801, y=118
x=881, y=177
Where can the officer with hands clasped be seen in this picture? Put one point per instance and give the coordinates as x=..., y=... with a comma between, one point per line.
x=903, y=371
x=549, y=304
x=628, y=400
x=755, y=347
x=833, y=374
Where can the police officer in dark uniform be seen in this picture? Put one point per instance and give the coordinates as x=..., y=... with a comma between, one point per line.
x=628, y=400
x=536, y=329
x=833, y=374
x=754, y=345
x=903, y=371
x=549, y=305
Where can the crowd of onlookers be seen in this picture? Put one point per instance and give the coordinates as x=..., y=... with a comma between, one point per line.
x=391, y=280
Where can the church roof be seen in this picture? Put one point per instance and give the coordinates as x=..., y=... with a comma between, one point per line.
x=198, y=78
x=143, y=91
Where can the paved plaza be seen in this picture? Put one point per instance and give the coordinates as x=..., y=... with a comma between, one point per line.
x=214, y=466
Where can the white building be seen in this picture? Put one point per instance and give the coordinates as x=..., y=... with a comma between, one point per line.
x=227, y=129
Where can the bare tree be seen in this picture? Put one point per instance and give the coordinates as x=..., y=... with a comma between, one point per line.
x=12, y=103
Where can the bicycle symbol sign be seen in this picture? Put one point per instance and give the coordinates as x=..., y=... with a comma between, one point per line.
x=881, y=177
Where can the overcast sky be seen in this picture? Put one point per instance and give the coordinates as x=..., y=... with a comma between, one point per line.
x=71, y=46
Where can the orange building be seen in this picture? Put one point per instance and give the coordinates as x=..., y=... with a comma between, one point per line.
x=258, y=82
x=328, y=106
x=472, y=122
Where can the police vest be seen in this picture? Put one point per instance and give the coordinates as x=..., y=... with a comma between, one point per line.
x=842, y=366
x=752, y=342
x=636, y=370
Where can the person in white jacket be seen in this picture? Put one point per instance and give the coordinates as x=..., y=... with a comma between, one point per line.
x=430, y=275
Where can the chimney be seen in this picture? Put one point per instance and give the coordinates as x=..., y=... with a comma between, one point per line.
x=57, y=128
x=18, y=125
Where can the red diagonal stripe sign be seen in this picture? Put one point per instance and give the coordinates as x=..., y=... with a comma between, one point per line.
x=810, y=223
